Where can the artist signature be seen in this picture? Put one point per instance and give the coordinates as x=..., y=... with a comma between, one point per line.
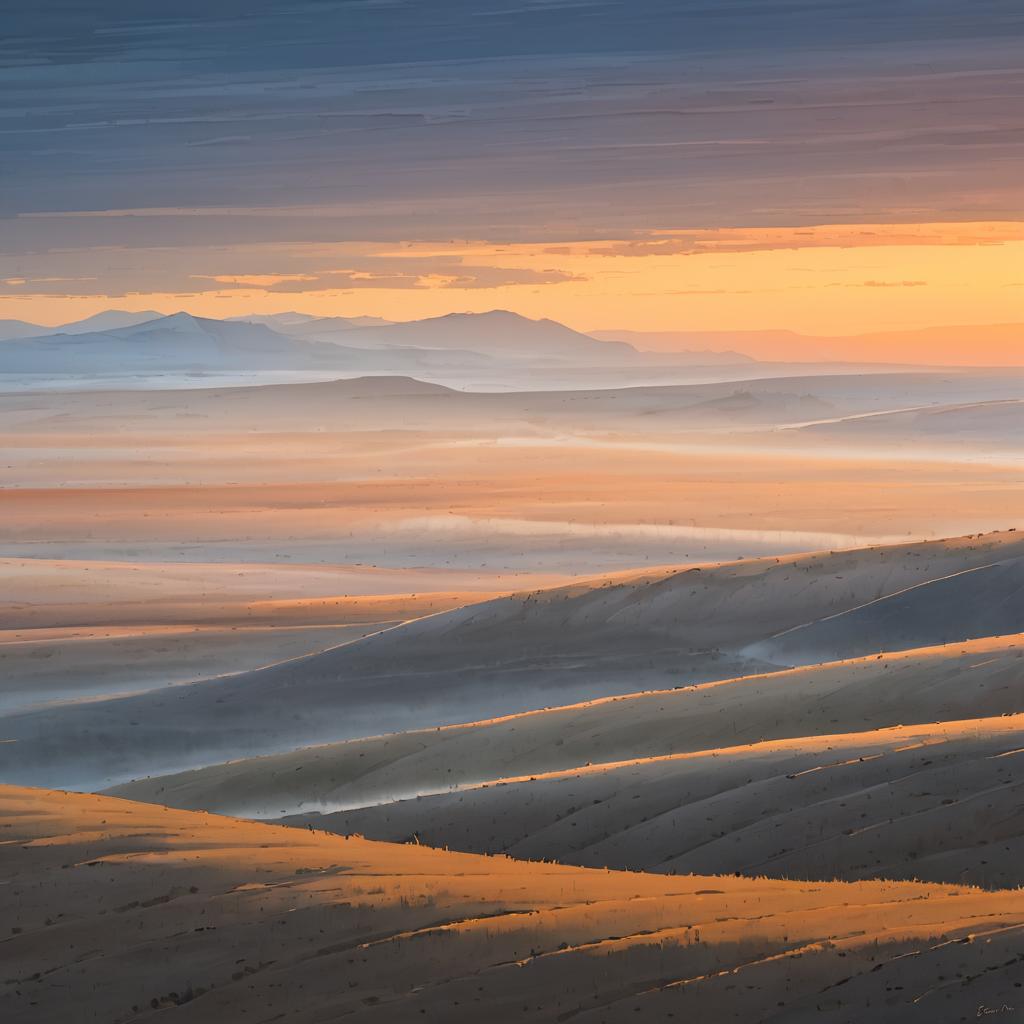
x=991, y=1011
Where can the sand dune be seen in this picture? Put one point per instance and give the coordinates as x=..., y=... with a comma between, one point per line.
x=611, y=636
x=120, y=912
x=935, y=802
x=977, y=679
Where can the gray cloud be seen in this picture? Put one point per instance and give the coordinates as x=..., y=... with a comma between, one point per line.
x=270, y=268
x=328, y=121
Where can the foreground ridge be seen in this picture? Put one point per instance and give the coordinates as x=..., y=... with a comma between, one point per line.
x=119, y=911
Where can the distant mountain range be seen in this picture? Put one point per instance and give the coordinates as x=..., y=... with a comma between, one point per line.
x=177, y=342
x=119, y=342
x=304, y=325
x=498, y=333
x=960, y=345
x=327, y=328
x=185, y=343
x=667, y=343
x=111, y=319
x=21, y=329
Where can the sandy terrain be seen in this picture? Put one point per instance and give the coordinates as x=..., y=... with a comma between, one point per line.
x=124, y=912
x=977, y=679
x=544, y=648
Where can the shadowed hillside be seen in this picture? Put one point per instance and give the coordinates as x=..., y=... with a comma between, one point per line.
x=614, y=635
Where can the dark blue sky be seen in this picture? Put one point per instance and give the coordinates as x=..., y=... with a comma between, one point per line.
x=374, y=120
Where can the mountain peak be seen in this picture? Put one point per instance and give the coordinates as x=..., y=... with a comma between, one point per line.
x=496, y=332
x=181, y=317
x=493, y=314
x=108, y=320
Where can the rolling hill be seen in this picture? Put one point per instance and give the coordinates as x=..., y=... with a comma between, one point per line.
x=117, y=912
x=985, y=601
x=917, y=688
x=938, y=802
x=613, y=635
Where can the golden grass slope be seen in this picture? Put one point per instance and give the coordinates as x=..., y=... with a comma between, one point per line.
x=939, y=802
x=117, y=912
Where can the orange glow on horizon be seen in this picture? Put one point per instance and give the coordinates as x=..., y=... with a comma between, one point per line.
x=838, y=280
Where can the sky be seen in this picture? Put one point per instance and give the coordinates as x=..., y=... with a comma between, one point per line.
x=825, y=166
